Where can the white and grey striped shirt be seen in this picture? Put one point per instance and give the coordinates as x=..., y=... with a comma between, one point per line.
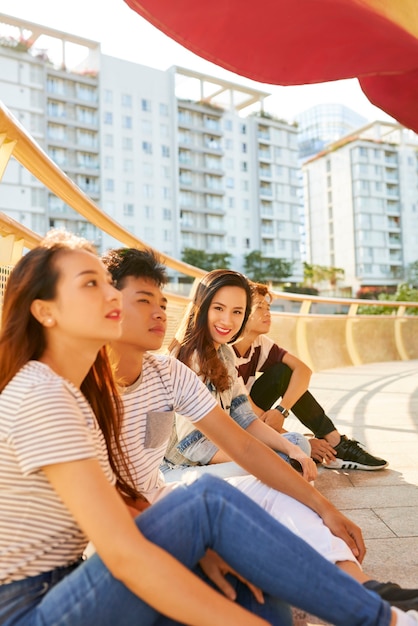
x=44, y=419
x=165, y=386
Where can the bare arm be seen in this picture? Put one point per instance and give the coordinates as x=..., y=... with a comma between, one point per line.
x=260, y=460
x=147, y=570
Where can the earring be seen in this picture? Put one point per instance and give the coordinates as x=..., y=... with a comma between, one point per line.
x=49, y=321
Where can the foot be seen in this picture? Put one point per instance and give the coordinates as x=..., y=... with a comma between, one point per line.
x=404, y=599
x=351, y=455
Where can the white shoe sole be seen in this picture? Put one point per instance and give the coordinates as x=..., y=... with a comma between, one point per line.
x=340, y=464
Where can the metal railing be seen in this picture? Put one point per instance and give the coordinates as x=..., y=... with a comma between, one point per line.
x=322, y=340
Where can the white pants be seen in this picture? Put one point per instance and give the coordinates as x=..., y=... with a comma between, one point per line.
x=296, y=516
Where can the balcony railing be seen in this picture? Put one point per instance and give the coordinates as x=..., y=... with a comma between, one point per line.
x=323, y=341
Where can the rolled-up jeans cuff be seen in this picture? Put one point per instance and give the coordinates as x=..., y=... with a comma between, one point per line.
x=201, y=451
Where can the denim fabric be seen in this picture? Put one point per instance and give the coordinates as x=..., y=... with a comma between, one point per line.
x=182, y=472
x=272, y=385
x=299, y=440
x=241, y=411
x=18, y=597
x=197, y=448
x=209, y=514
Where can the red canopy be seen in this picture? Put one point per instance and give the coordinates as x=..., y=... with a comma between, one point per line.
x=294, y=42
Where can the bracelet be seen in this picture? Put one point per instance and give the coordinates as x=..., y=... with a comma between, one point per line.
x=282, y=410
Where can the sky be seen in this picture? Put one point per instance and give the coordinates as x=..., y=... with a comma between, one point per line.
x=124, y=34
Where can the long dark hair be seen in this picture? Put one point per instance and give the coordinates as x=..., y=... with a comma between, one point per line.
x=22, y=337
x=193, y=334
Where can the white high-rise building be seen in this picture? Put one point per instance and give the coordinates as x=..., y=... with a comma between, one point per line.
x=59, y=108
x=361, y=203
x=211, y=171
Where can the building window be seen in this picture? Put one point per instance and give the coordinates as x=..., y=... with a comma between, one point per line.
x=147, y=147
x=126, y=100
x=127, y=143
x=128, y=209
x=128, y=165
x=146, y=105
x=108, y=163
x=129, y=188
x=108, y=141
x=126, y=121
x=165, y=171
x=164, y=109
x=148, y=191
x=108, y=117
x=167, y=214
x=244, y=148
x=109, y=184
x=108, y=96
x=148, y=170
x=165, y=151
x=146, y=127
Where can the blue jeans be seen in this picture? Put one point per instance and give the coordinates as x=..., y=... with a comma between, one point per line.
x=207, y=514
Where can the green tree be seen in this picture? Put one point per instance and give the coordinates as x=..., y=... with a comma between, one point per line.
x=313, y=274
x=253, y=266
x=266, y=269
x=220, y=260
x=404, y=293
x=205, y=260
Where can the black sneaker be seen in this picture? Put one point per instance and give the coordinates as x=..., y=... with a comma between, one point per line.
x=404, y=599
x=351, y=455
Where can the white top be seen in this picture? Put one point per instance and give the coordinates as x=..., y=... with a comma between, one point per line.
x=164, y=387
x=44, y=419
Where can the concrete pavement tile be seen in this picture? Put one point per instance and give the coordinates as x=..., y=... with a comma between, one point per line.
x=403, y=520
x=393, y=559
x=372, y=526
x=373, y=497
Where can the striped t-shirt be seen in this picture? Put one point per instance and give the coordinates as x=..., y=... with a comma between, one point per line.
x=165, y=386
x=44, y=419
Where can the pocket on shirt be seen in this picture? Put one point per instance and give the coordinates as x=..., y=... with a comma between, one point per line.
x=158, y=429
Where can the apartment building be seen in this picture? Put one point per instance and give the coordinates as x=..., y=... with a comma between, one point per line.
x=205, y=168
x=59, y=108
x=361, y=205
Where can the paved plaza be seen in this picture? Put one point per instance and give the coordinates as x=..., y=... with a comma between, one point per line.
x=377, y=404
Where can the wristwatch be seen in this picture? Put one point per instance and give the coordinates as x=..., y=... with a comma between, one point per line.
x=283, y=411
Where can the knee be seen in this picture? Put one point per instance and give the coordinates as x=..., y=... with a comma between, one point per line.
x=299, y=440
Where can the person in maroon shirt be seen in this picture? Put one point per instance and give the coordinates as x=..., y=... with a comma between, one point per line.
x=287, y=377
